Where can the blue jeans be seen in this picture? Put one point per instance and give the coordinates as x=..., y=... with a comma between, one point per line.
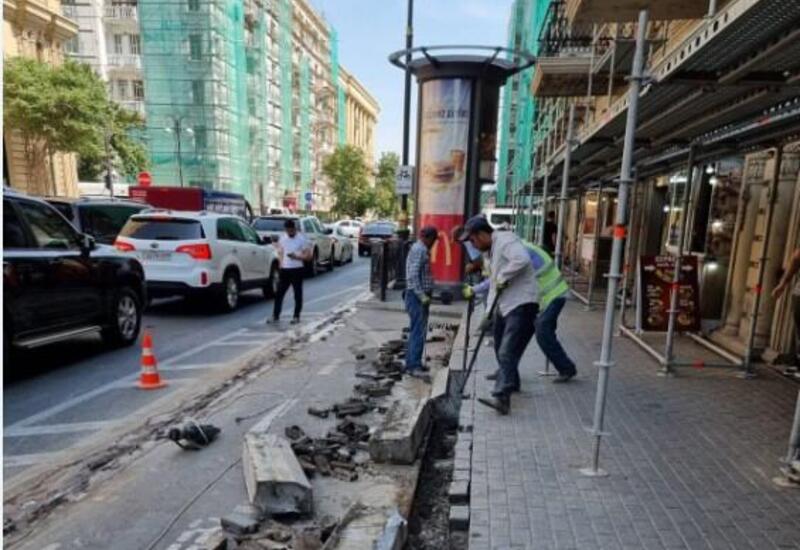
x=512, y=334
x=546, y=324
x=416, y=333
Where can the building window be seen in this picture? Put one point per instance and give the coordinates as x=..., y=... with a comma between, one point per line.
x=118, y=49
x=194, y=5
x=138, y=90
x=195, y=47
x=200, y=139
x=122, y=89
x=136, y=44
x=198, y=92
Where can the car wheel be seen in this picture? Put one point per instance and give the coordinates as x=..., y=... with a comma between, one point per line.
x=228, y=298
x=271, y=288
x=312, y=269
x=332, y=259
x=125, y=319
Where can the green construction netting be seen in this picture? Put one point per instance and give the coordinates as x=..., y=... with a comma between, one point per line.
x=305, y=130
x=287, y=124
x=341, y=124
x=195, y=74
x=518, y=135
x=258, y=82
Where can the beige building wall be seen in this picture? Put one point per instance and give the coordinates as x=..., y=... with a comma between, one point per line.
x=361, y=116
x=36, y=29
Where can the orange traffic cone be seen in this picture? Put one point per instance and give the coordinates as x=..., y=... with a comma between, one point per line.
x=149, y=379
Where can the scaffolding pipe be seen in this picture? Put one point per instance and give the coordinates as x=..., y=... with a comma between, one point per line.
x=605, y=363
x=762, y=265
x=578, y=237
x=794, y=435
x=545, y=190
x=676, y=275
x=562, y=201
x=634, y=218
x=593, y=271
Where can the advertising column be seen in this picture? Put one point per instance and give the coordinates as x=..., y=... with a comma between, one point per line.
x=444, y=141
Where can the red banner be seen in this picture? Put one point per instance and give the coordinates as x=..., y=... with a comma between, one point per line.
x=446, y=253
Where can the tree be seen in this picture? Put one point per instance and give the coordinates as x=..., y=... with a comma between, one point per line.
x=347, y=169
x=129, y=157
x=385, y=199
x=64, y=109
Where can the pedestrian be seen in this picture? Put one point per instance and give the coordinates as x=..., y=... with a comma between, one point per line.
x=552, y=289
x=419, y=288
x=513, y=286
x=791, y=270
x=550, y=233
x=294, y=251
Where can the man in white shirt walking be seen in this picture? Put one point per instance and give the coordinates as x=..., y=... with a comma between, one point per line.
x=293, y=250
x=513, y=284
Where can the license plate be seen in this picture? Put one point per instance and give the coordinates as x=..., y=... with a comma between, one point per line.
x=155, y=255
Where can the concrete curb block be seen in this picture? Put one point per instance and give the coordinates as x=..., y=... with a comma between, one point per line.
x=400, y=435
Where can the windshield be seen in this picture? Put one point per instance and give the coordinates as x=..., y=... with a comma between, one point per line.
x=269, y=224
x=158, y=229
x=378, y=229
x=104, y=221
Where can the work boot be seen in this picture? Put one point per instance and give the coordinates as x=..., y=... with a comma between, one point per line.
x=493, y=376
x=502, y=404
x=563, y=378
x=295, y=321
x=419, y=375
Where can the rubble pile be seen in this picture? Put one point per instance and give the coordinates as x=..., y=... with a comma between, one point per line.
x=336, y=454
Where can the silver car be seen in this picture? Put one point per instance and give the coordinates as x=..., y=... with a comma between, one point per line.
x=324, y=245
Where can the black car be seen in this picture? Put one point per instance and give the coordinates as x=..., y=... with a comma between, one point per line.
x=100, y=217
x=57, y=284
x=373, y=231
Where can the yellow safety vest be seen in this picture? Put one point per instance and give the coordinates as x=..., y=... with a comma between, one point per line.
x=551, y=283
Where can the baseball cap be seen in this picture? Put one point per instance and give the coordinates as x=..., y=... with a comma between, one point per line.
x=474, y=225
x=428, y=232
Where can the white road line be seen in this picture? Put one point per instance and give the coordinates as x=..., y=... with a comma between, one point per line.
x=333, y=295
x=264, y=424
x=330, y=367
x=23, y=431
x=12, y=461
x=195, y=366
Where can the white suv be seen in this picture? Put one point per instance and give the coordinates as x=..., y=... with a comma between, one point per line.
x=189, y=253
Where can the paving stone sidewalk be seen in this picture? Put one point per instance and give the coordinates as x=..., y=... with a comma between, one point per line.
x=691, y=458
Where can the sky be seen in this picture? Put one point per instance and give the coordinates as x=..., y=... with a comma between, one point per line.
x=369, y=30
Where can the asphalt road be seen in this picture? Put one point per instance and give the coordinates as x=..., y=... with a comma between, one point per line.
x=56, y=396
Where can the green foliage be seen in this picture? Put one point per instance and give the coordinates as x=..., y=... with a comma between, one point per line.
x=386, y=203
x=66, y=109
x=347, y=169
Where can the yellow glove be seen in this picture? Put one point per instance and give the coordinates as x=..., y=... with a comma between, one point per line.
x=426, y=300
x=501, y=285
x=467, y=292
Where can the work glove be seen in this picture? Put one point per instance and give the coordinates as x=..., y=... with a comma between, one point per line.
x=467, y=292
x=426, y=300
x=501, y=285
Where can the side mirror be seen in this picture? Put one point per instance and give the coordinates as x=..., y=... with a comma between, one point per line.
x=87, y=243
x=274, y=239
x=265, y=240
x=329, y=231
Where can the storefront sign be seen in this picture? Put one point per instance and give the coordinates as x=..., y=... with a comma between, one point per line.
x=655, y=284
x=444, y=139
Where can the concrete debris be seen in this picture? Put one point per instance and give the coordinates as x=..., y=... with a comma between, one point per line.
x=193, y=436
x=244, y=519
x=320, y=413
x=295, y=433
x=394, y=533
x=275, y=481
x=360, y=357
x=216, y=541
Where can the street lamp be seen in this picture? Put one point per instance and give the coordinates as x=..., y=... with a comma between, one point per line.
x=177, y=128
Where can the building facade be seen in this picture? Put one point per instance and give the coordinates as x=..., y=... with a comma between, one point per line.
x=361, y=116
x=725, y=103
x=36, y=29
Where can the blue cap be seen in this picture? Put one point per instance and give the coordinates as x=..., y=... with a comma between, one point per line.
x=475, y=224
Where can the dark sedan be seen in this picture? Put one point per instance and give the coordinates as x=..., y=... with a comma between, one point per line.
x=374, y=231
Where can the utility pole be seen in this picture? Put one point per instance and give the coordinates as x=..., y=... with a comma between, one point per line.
x=109, y=162
x=407, y=111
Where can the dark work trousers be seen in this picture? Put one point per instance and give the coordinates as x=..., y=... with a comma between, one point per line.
x=796, y=312
x=294, y=278
x=512, y=334
x=546, y=325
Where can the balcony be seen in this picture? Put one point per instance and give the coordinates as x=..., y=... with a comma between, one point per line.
x=566, y=76
x=124, y=61
x=136, y=106
x=122, y=12
x=603, y=11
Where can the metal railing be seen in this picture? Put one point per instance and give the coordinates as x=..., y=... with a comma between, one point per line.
x=387, y=259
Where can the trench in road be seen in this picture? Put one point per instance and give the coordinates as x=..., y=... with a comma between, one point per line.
x=79, y=387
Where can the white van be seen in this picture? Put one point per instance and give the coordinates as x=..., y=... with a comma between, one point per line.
x=500, y=218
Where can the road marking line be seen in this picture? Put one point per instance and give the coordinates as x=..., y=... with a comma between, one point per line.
x=278, y=411
x=11, y=461
x=196, y=366
x=24, y=431
x=330, y=367
x=329, y=296
x=236, y=343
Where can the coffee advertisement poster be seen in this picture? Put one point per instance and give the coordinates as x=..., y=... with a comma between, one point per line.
x=655, y=280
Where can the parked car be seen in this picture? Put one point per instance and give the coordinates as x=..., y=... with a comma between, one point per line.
x=100, y=217
x=372, y=231
x=349, y=228
x=57, y=285
x=324, y=246
x=344, y=247
x=200, y=253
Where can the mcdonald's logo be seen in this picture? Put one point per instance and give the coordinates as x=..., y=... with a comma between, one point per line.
x=448, y=250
